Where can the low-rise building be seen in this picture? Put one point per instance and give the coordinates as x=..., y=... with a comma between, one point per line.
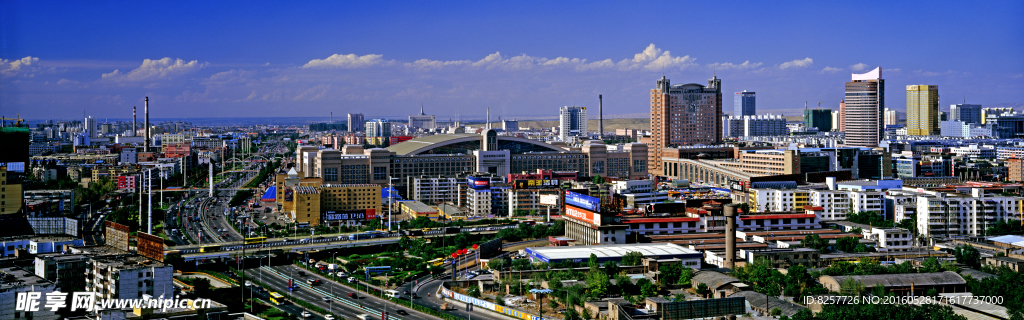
x=66, y=270
x=15, y=280
x=784, y=258
x=1012, y=263
x=415, y=209
x=128, y=277
x=902, y=284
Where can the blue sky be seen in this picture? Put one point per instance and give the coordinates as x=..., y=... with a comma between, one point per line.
x=522, y=59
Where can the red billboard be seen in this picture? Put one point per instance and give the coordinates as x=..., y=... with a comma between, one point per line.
x=151, y=246
x=583, y=215
x=116, y=235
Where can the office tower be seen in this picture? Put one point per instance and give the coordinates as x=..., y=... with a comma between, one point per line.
x=818, y=118
x=922, y=110
x=744, y=104
x=892, y=117
x=987, y=112
x=969, y=113
x=842, y=115
x=510, y=125
x=865, y=100
x=91, y=128
x=356, y=123
x=572, y=122
x=422, y=121
x=378, y=132
x=835, y=120
x=683, y=114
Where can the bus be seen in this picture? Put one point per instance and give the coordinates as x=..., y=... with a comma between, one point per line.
x=435, y=262
x=255, y=240
x=276, y=298
x=210, y=248
x=359, y=236
x=375, y=233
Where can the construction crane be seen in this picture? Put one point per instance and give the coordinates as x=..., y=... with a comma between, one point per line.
x=17, y=120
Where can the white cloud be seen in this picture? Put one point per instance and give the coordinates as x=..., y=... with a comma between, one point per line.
x=799, y=63
x=347, y=61
x=233, y=75
x=315, y=93
x=152, y=70
x=435, y=64
x=730, y=65
x=11, y=67
x=66, y=81
x=655, y=59
x=830, y=70
x=859, y=67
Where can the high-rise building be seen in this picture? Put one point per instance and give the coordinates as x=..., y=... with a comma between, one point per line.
x=510, y=125
x=842, y=115
x=892, y=117
x=91, y=128
x=835, y=121
x=572, y=122
x=757, y=126
x=986, y=112
x=378, y=132
x=969, y=113
x=865, y=101
x=356, y=123
x=744, y=104
x=683, y=114
x=922, y=110
x=818, y=118
x=422, y=120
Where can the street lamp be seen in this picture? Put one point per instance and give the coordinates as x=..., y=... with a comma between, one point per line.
x=540, y=293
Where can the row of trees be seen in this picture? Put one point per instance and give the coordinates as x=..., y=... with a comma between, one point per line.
x=797, y=282
x=844, y=244
x=868, y=266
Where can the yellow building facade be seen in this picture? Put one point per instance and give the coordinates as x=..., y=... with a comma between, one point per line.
x=922, y=110
x=11, y=195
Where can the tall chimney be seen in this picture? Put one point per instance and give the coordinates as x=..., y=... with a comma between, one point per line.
x=135, y=123
x=600, y=117
x=730, y=235
x=146, y=147
x=488, y=117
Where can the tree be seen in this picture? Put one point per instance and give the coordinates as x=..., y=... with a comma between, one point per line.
x=967, y=254
x=598, y=282
x=592, y=262
x=611, y=268
x=624, y=283
x=702, y=289
x=857, y=230
x=813, y=241
x=878, y=290
x=521, y=264
x=474, y=291
x=647, y=288
x=798, y=274
x=570, y=314
x=931, y=265
x=851, y=287
x=685, y=276
x=632, y=258
x=670, y=272
x=201, y=287
x=497, y=264
x=847, y=244
x=679, y=297
x=585, y=314
x=597, y=179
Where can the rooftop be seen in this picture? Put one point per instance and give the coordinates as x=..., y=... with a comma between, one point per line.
x=417, y=206
x=13, y=277
x=650, y=250
x=712, y=279
x=905, y=280
x=127, y=262
x=760, y=300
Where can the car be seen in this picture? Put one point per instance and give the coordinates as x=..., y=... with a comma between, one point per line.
x=327, y=299
x=248, y=283
x=351, y=279
x=473, y=230
x=306, y=314
x=406, y=291
x=329, y=317
x=402, y=312
x=352, y=295
x=302, y=273
x=490, y=229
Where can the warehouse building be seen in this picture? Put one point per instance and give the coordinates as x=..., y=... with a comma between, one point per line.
x=615, y=252
x=903, y=284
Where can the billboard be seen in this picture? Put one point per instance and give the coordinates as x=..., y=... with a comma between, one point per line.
x=583, y=215
x=582, y=201
x=66, y=226
x=479, y=183
x=116, y=235
x=151, y=246
x=346, y=215
x=288, y=192
x=535, y=184
x=549, y=199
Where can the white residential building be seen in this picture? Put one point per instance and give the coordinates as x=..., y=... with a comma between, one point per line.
x=438, y=190
x=14, y=280
x=757, y=126
x=128, y=277
x=955, y=214
x=975, y=151
x=572, y=122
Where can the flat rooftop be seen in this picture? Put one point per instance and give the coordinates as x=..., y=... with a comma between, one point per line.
x=612, y=251
x=13, y=277
x=127, y=262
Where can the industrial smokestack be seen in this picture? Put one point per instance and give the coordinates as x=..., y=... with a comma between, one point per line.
x=600, y=117
x=135, y=123
x=488, y=117
x=730, y=235
x=332, y=116
x=146, y=147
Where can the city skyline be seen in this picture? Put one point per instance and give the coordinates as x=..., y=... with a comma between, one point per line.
x=63, y=61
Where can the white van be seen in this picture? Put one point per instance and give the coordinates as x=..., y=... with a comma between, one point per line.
x=391, y=294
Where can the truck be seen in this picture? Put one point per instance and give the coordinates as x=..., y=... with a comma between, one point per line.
x=452, y=230
x=410, y=233
x=332, y=266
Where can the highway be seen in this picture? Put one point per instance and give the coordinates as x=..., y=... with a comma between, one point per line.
x=342, y=305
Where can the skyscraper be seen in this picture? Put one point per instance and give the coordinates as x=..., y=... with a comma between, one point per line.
x=922, y=110
x=744, y=104
x=683, y=114
x=865, y=100
x=356, y=123
x=572, y=122
x=969, y=113
x=842, y=115
x=818, y=118
x=892, y=117
x=91, y=127
x=378, y=132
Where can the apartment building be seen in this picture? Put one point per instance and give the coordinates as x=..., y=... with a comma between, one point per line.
x=65, y=270
x=886, y=239
x=439, y=190
x=14, y=281
x=684, y=114
x=128, y=277
x=942, y=214
x=528, y=200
